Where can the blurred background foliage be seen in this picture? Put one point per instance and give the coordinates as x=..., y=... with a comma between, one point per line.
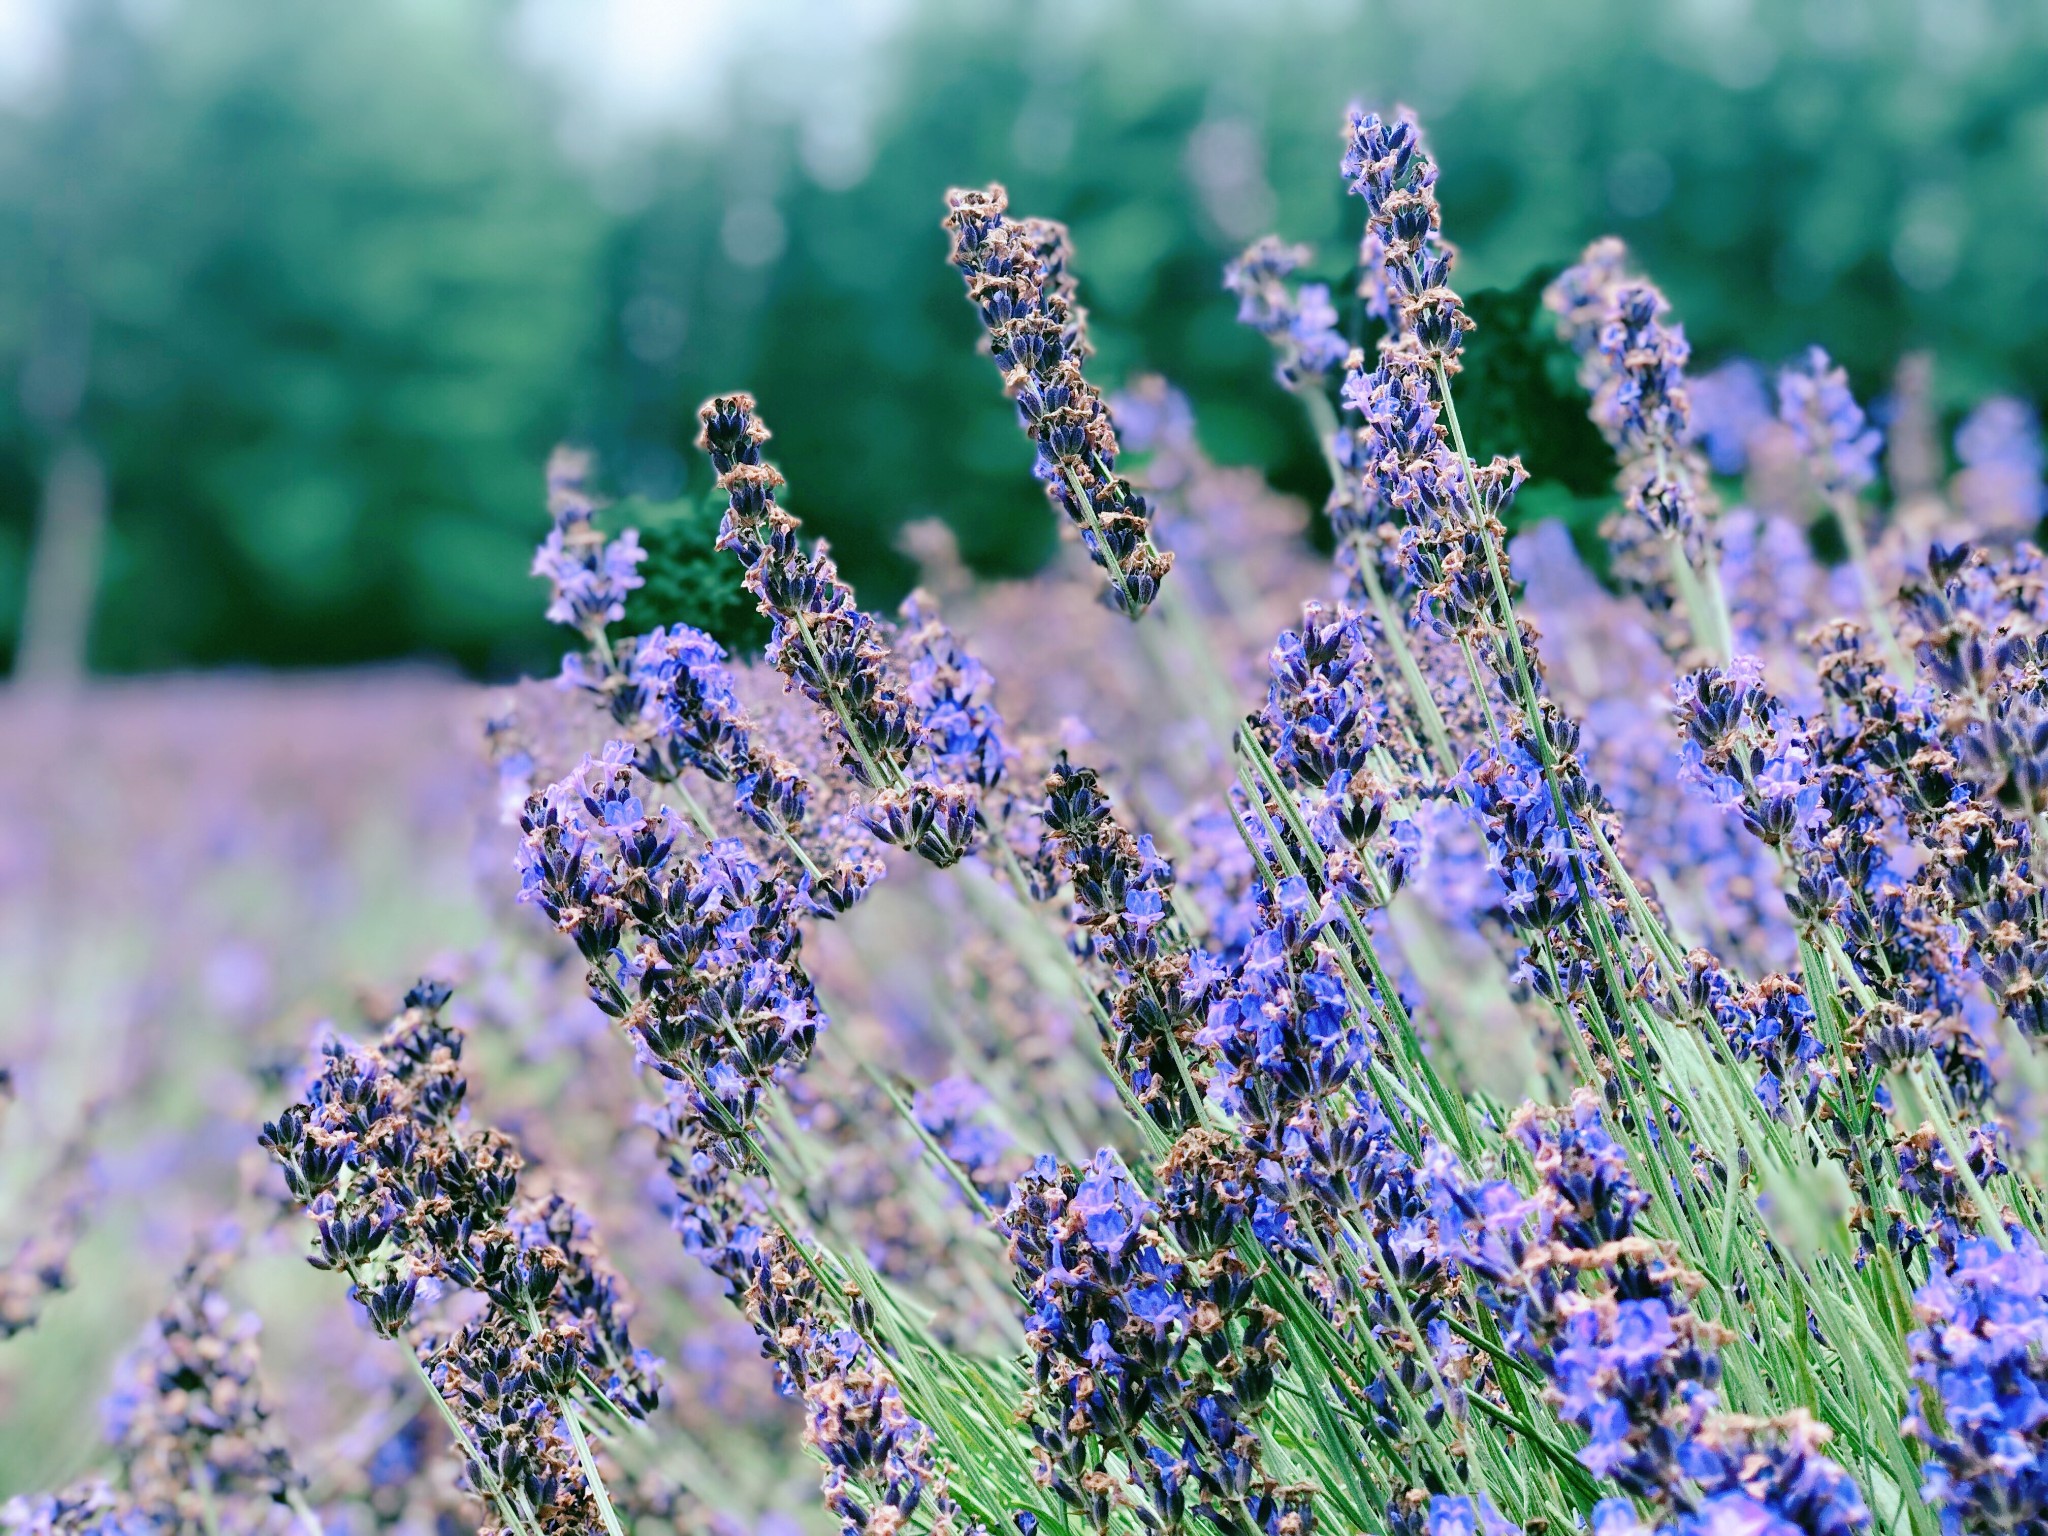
x=295, y=298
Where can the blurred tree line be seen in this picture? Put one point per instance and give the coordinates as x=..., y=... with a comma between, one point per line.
x=296, y=298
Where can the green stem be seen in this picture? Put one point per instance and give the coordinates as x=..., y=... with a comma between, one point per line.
x=1323, y=420
x=1849, y=518
x=304, y=1511
x=846, y=723
x=1102, y=549
x=591, y=1479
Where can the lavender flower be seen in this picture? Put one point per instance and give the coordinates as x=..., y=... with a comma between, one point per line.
x=1298, y=319
x=1818, y=793
x=1771, y=1478
x=1979, y=1360
x=1582, y=294
x=1999, y=491
x=190, y=1425
x=90, y=1508
x=589, y=574
x=928, y=745
x=1165, y=1360
x=1641, y=397
x=1017, y=279
x=961, y=753
x=572, y=836
x=1413, y=473
x=1632, y=361
x=1538, y=858
x=188, y=1417
x=1622, y=1358
x=1283, y=1025
x=1730, y=405
x=1736, y=747
x=1410, y=473
x=1717, y=883
x=821, y=640
x=1124, y=924
x=1928, y=1173
x=410, y=1203
x=1833, y=436
x=1387, y=164
x=952, y=691
x=1604, y=1310
x=1771, y=1023
x=506, y=749
x=952, y=1112
x=681, y=689
x=697, y=956
x=882, y=1465
x=1451, y=1514
x=40, y=1265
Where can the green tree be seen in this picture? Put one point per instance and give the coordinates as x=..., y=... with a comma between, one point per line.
x=314, y=287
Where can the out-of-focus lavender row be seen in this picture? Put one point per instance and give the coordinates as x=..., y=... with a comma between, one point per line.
x=198, y=872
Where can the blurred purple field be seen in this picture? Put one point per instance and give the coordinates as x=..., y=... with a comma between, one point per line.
x=201, y=874
x=195, y=870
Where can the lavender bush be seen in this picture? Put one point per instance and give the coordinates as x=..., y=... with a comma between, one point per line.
x=1432, y=1044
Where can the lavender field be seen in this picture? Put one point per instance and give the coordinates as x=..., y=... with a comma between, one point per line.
x=1399, y=1015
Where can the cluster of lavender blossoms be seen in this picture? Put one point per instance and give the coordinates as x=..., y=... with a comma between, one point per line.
x=1017, y=276
x=1607, y=1315
x=421, y=1211
x=1438, y=1042
x=1632, y=360
x=1979, y=1362
x=191, y=1426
